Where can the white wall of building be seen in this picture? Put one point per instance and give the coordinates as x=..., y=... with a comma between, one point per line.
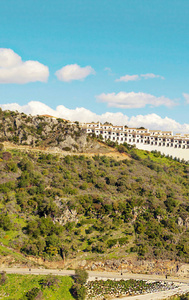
x=175, y=146
x=175, y=152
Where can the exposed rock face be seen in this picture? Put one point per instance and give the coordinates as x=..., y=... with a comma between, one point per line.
x=157, y=267
x=44, y=131
x=67, y=216
x=180, y=221
x=187, y=222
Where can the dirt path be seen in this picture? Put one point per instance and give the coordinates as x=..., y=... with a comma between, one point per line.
x=95, y=275
x=107, y=151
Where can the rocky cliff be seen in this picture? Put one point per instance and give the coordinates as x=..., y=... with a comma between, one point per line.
x=56, y=134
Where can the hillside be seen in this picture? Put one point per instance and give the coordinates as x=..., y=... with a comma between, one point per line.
x=94, y=208
x=43, y=131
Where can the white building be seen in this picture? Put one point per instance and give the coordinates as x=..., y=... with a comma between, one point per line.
x=145, y=139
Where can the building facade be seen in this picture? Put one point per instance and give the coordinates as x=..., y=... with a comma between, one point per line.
x=145, y=139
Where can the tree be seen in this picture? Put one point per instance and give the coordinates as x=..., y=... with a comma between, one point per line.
x=81, y=276
x=78, y=289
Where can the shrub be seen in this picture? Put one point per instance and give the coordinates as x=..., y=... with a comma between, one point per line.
x=3, y=278
x=78, y=289
x=12, y=167
x=5, y=222
x=34, y=293
x=81, y=276
x=49, y=281
x=7, y=156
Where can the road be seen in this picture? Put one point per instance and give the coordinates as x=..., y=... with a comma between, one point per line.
x=183, y=283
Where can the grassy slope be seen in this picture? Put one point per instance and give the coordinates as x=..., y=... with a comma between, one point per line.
x=17, y=286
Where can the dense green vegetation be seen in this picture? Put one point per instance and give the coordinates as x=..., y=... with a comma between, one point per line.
x=30, y=287
x=79, y=289
x=56, y=207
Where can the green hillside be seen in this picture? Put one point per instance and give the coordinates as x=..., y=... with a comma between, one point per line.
x=58, y=207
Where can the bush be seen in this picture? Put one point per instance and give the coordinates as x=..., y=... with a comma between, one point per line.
x=49, y=281
x=7, y=156
x=34, y=293
x=81, y=276
x=5, y=222
x=3, y=278
x=78, y=289
x=12, y=167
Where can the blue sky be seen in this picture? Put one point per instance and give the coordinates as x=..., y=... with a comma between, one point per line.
x=116, y=39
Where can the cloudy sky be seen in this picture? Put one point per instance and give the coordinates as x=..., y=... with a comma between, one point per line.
x=124, y=61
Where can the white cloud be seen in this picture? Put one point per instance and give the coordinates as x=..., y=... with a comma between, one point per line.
x=74, y=72
x=108, y=69
x=14, y=70
x=186, y=96
x=151, y=75
x=134, y=100
x=8, y=58
x=151, y=121
x=127, y=78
